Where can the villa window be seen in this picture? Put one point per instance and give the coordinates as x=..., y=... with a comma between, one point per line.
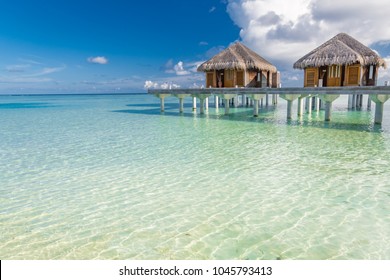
x=334, y=71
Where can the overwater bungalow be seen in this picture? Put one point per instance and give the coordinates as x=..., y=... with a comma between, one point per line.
x=340, y=66
x=341, y=61
x=239, y=66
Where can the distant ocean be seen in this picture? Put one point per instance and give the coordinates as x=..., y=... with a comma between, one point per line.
x=110, y=177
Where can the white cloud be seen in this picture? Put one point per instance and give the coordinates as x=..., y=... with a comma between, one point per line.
x=97, y=60
x=150, y=84
x=195, y=85
x=293, y=78
x=212, y=9
x=283, y=31
x=163, y=85
x=193, y=66
x=19, y=68
x=203, y=43
x=185, y=81
x=47, y=70
x=179, y=69
x=31, y=61
x=18, y=74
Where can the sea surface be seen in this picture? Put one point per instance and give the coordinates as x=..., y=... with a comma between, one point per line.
x=110, y=177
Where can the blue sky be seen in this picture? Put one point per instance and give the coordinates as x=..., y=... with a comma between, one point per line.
x=68, y=46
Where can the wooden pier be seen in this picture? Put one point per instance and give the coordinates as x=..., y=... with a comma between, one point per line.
x=378, y=94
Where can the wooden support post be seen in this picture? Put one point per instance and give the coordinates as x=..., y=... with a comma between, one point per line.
x=317, y=99
x=207, y=103
x=235, y=99
x=181, y=105
x=289, y=98
x=226, y=106
x=350, y=100
x=216, y=102
x=266, y=100
x=162, y=100
x=256, y=108
x=255, y=98
x=308, y=104
x=356, y=101
x=300, y=106
x=328, y=110
x=328, y=100
x=162, y=105
x=201, y=105
x=194, y=103
x=378, y=112
x=379, y=100
x=289, y=109
x=369, y=103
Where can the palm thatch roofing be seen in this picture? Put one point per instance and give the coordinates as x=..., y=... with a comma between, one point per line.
x=340, y=50
x=238, y=57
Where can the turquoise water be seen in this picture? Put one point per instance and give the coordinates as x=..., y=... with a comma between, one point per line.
x=109, y=177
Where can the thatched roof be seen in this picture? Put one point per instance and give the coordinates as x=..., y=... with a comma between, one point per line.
x=340, y=50
x=237, y=56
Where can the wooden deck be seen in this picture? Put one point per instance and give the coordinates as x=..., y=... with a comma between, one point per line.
x=307, y=90
x=378, y=94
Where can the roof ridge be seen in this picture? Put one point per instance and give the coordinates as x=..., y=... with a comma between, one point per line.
x=237, y=56
x=354, y=52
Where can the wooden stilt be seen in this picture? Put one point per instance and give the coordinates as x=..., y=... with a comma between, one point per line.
x=201, y=105
x=181, y=105
x=162, y=105
x=369, y=103
x=289, y=109
x=256, y=109
x=308, y=105
x=328, y=110
x=226, y=106
x=300, y=106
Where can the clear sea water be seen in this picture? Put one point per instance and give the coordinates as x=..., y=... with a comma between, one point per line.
x=109, y=177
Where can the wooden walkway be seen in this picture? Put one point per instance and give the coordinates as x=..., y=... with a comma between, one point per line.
x=378, y=94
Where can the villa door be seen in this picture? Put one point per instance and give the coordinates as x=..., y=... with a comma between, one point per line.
x=240, y=78
x=353, y=75
x=229, y=78
x=311, y=77
x=210, y=79
x=334, y=76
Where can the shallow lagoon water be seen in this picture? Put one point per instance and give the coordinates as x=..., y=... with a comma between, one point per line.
x=110, y=177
